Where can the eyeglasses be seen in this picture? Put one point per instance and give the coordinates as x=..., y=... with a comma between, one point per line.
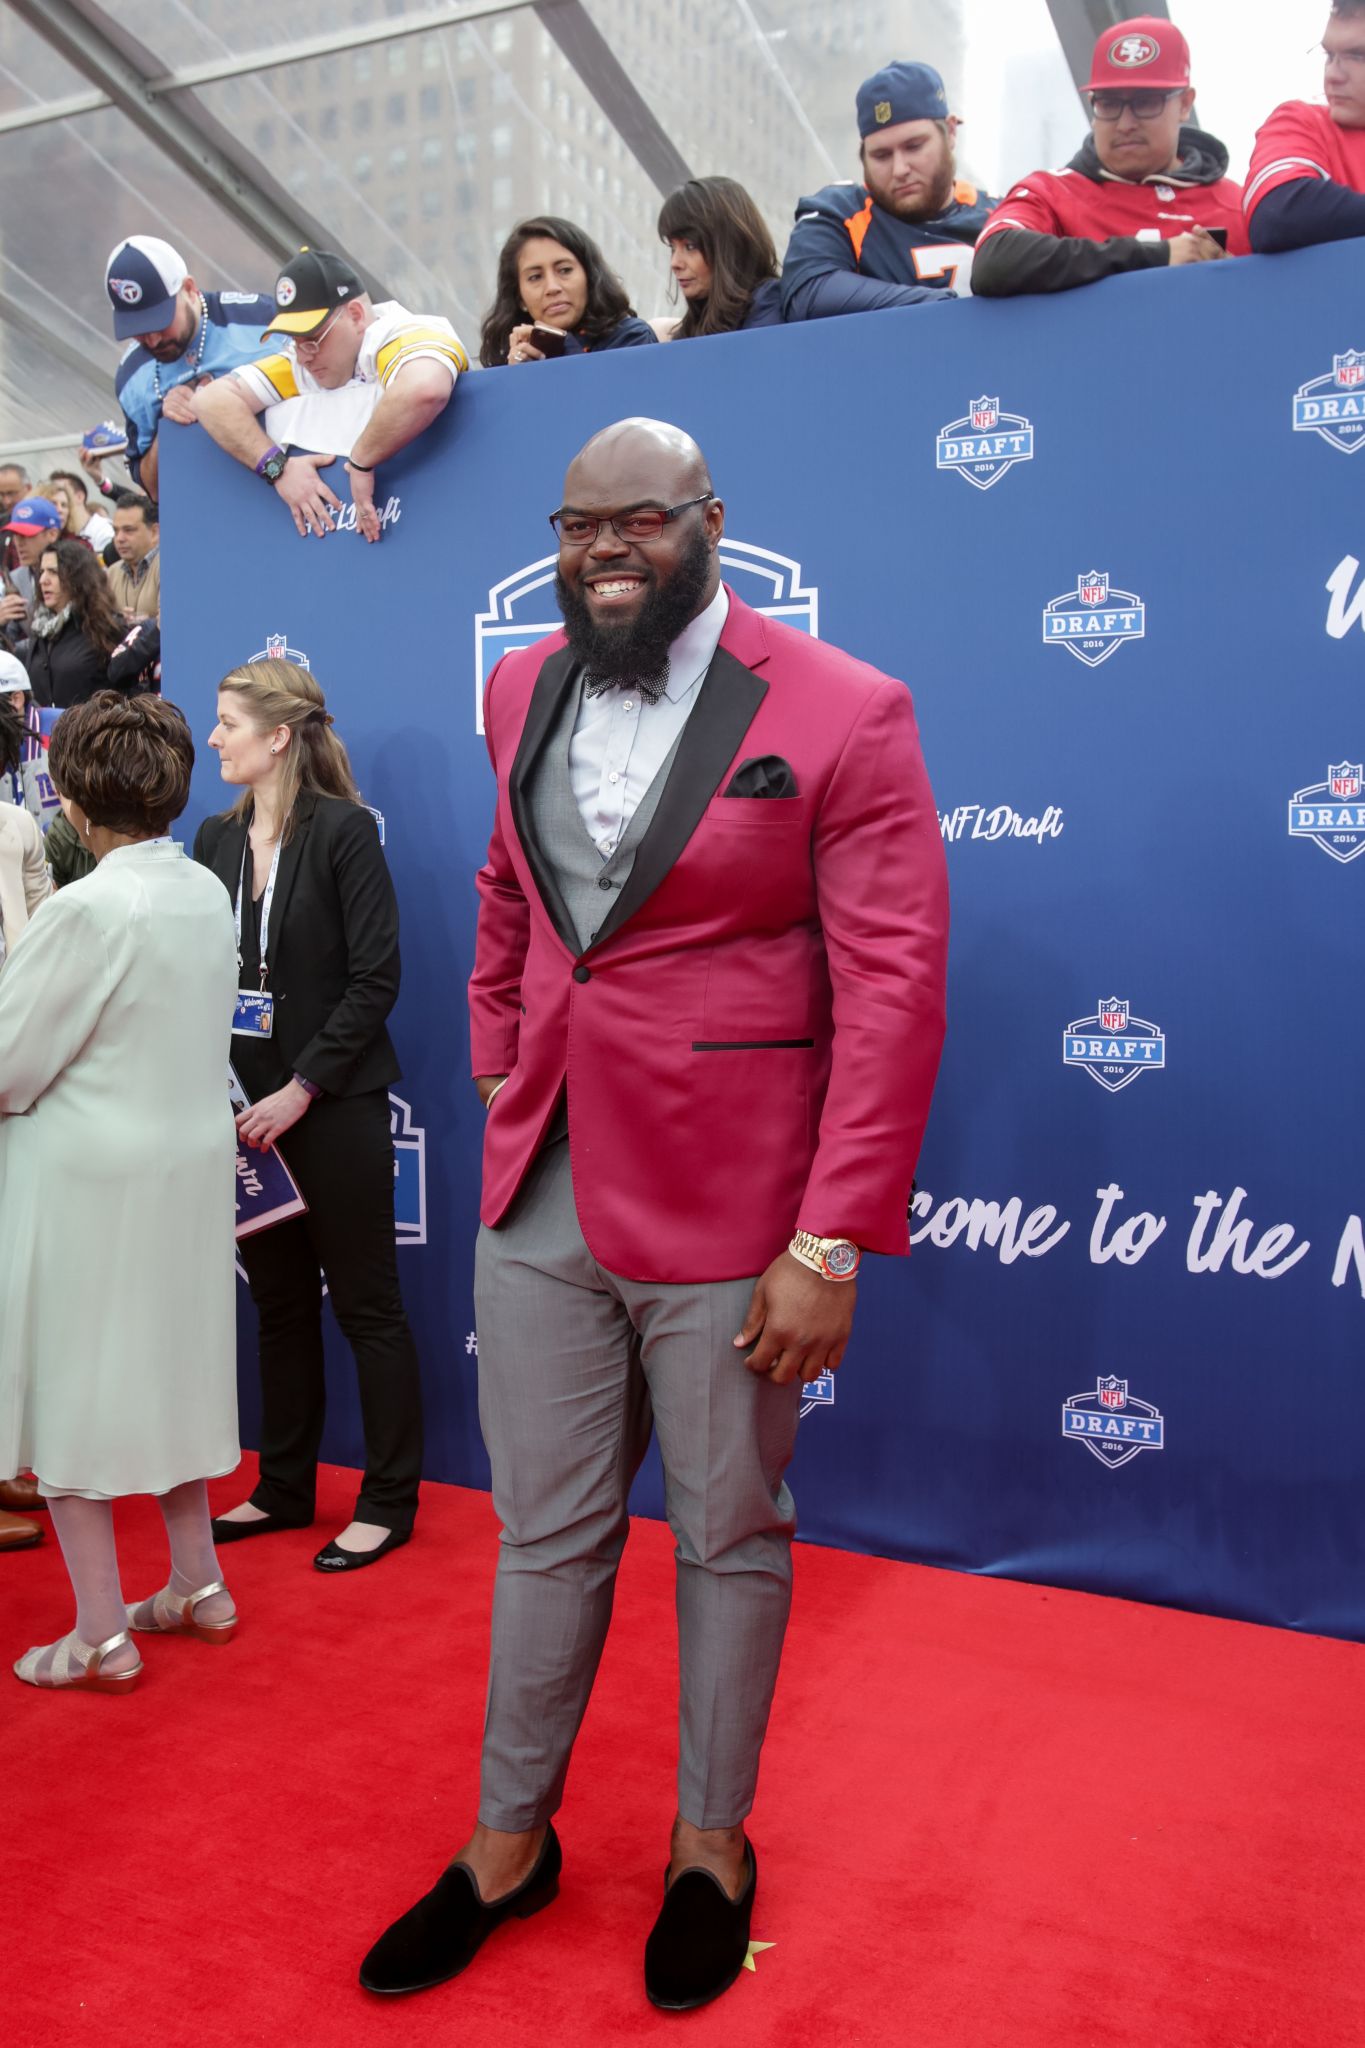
x=646, y=522
x=1148, y=106
x=1337, y=56
x=315, y=340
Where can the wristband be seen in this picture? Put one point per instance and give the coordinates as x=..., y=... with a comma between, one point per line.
x=310, y=1088
x=365, y=468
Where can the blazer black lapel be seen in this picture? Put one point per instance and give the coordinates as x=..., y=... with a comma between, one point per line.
x=722, y=714
x=547, y=699
x=291, y=854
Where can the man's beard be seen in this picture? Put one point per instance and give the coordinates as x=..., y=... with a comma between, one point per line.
x=639, y=646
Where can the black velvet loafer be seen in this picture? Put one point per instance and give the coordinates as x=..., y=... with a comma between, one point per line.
x=700, y=1939
x=332, y=1558
x=237, y=1532
x=443, y=1932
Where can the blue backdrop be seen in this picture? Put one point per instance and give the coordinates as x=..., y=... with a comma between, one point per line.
x=1112, y=542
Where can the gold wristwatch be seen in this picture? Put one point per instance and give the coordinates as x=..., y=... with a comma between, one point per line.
x=833, y=1258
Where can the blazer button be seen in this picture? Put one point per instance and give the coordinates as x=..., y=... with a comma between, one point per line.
x=604, y=882
x=582, y=974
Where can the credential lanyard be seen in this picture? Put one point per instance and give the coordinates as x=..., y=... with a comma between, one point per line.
x=266, y=902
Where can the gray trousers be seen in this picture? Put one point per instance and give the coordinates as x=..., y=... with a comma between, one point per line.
x=574, y=1362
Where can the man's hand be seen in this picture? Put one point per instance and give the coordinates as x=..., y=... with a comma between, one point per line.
x=89, y=460
x=261, y=1123
x=12, y=608
x=362, y=497
x=181, y=405
x=488, y=1086
x=311, y=504
x=801, y=1322
x=1198, y=246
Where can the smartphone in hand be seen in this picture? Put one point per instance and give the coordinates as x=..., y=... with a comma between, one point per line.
x=549, y=340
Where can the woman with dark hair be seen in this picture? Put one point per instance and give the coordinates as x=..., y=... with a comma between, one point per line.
x=317, y=925
x=117, y=1355
x=554, y=278
x=76, y=627
x=722, y=258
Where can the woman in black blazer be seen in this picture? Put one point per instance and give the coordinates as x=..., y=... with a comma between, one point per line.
x=300, y=854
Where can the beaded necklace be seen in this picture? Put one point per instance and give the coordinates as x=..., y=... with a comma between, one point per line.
x=198, y=353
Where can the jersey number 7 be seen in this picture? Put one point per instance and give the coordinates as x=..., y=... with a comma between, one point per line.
x=945, y=263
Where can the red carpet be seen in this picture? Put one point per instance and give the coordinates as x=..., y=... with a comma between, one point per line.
x=990, y=1816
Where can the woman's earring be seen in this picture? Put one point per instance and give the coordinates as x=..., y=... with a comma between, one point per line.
x=274, y=750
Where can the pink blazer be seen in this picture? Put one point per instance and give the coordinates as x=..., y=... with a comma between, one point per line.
x=750, y=1043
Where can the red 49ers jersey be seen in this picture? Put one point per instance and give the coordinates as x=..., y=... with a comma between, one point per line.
x=1303, y=141
x=1069, y=203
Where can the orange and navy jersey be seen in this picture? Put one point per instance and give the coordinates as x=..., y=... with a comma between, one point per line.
x=1301, y=140
x=843, y=228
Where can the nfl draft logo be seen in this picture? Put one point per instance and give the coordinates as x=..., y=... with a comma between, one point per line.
x=277, y=648
x=409, y=1173
x=522, y=609
x=817, y=1394
x=1112, y=1423
x=1093, y=619
x=1332, y=812
x=1113, y=1046
x=985, y=443
x=1334, y=406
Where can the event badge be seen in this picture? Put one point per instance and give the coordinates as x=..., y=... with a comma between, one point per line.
x=254, y=1013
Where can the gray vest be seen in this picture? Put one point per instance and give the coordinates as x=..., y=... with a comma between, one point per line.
x=586, y=881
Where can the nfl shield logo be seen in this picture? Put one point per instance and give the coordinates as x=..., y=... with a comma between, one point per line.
x=1349, y=370
x=1094, y=589
x=275, y=645
x=1113, y=1393
x=985, y=414
x=1345, y=779
x=1113, y=1015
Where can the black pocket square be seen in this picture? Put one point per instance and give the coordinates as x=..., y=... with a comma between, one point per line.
x=766, y=775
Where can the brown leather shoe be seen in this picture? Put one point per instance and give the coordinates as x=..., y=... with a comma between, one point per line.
x=21, y=1495
x=17, y=1534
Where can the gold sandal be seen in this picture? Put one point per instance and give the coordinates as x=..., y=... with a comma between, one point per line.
x=172, y=1615
x=76, y=1666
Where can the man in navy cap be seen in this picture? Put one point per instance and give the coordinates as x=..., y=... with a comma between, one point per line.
x=178, y=336
x=902, y=237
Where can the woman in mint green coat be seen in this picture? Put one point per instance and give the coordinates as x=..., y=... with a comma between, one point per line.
x=117, y=1367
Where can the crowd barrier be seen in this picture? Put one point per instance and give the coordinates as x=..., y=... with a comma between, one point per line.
x=1112, y=542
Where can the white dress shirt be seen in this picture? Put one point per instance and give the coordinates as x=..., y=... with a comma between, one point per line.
x=620, y=740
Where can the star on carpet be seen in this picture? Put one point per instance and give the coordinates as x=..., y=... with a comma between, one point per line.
x=756, y=1948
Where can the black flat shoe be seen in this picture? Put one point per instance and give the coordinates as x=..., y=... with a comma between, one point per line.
x=443, y=1932
x=332, y=1558
x=237, y=1532
x=700, y=1939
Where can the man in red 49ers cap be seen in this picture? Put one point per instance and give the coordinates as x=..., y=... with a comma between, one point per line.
x=1145, y=189
x=1307, y=178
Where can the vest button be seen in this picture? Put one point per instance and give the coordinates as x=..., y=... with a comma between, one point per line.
x=604, y=882
x=582, y=974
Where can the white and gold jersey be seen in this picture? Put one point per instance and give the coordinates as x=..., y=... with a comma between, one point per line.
x=301, y=413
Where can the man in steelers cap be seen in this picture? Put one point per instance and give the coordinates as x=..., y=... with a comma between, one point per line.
x=1145, y=191
x=353, y=379
x=178, y=338
x=904, y=235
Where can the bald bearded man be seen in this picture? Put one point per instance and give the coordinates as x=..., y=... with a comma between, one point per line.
x=707, y=1008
